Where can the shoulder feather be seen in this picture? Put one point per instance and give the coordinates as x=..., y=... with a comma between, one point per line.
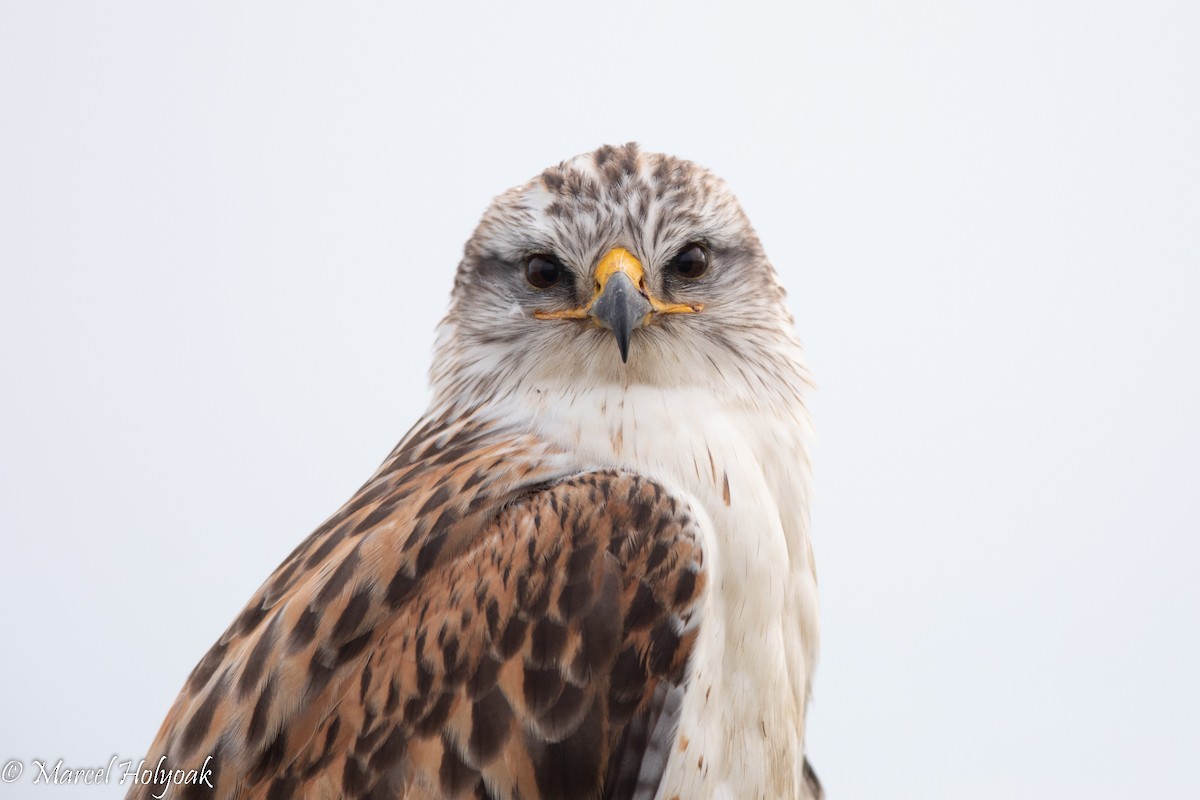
x=493, y=639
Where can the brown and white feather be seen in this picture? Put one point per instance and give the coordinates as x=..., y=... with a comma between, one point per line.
x=575, y=577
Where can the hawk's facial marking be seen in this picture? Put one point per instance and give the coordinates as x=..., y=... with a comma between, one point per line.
x=697, y=252
x=620, y=260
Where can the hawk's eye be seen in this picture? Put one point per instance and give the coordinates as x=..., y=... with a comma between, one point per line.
x=691, y=263
x=542, y=272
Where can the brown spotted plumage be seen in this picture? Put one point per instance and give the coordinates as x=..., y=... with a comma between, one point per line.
x=521, y=602
x=467, y=625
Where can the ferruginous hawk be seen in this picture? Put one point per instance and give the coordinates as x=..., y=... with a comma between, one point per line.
x=586, y=571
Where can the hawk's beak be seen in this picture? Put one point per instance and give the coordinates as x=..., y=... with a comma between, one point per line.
x=620, y=301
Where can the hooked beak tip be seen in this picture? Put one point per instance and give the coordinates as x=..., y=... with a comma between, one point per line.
x=623, y=346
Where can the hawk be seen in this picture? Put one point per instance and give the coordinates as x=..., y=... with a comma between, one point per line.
x=586, y=571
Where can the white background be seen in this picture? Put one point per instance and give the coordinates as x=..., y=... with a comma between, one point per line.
x=227, y=233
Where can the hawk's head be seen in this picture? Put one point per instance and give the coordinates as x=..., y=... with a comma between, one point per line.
x=616, y=266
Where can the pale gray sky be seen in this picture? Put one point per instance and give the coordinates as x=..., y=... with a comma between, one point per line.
x=227, y=231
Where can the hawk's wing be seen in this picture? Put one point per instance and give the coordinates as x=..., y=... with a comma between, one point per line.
x=542, y=659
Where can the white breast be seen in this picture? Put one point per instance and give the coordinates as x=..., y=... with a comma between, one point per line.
x=741, y=731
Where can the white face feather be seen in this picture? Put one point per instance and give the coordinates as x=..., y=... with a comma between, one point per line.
x=490, y=344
